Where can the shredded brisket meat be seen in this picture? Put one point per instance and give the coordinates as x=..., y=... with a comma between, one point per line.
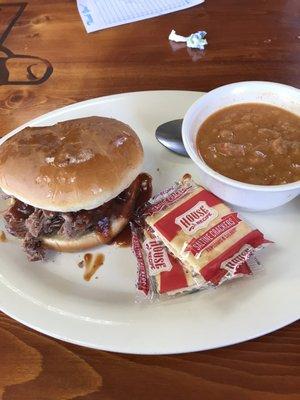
x=30, y=224
x=33, y=248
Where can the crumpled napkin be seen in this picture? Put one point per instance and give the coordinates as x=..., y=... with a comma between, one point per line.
x=194, y=41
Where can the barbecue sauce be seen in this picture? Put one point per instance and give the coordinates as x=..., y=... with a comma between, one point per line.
x=2, y=237
x=123, y=239
x=145, y=190
x=91, y=263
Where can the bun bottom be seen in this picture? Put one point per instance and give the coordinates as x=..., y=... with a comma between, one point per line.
x=87, y=241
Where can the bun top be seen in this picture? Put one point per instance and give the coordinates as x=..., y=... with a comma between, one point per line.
x=73, y=165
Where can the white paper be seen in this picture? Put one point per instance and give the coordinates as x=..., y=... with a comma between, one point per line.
x=101, y=14
x=194, y=41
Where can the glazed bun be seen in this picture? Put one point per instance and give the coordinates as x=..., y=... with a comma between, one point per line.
x=73, y=165
x=87, y=241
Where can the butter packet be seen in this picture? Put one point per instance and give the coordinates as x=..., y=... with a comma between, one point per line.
x=209, y=240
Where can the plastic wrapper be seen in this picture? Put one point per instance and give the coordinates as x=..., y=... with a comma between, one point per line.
x=187, y=231
x=159, y=273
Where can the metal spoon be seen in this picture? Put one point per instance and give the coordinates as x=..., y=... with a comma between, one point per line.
x=169, y=135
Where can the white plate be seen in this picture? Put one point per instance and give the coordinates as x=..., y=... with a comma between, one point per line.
x=54, y=299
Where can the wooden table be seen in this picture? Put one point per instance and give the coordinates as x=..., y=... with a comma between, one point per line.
x=248, y=40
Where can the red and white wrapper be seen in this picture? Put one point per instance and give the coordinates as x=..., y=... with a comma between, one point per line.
x=186, y=239
x=159, y=273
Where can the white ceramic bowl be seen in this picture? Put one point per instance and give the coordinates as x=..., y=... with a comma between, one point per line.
x=244, y=195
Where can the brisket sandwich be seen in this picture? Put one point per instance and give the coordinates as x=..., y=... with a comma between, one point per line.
x=73, y=185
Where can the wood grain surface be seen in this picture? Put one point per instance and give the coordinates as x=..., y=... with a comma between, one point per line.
x=48, y=61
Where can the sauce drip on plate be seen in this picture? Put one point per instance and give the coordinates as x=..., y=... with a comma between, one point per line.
x=186, y=177
x=2, y=237
x=91, y=263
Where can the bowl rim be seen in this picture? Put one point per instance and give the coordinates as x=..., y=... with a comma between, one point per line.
x=194, y=155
